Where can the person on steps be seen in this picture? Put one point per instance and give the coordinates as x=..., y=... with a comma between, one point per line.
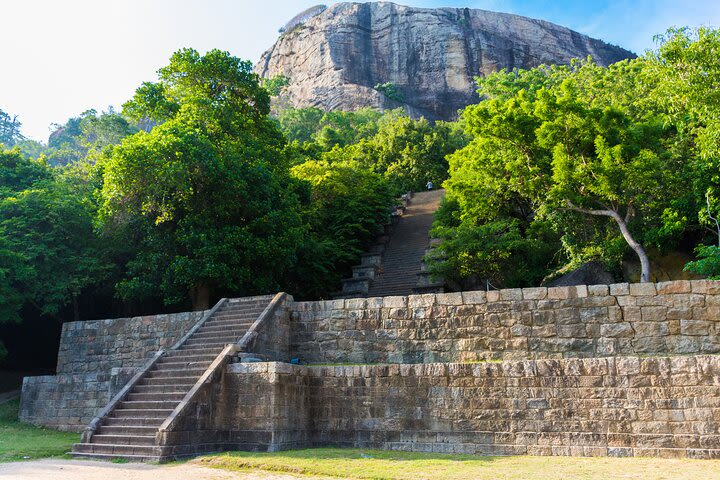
x=429, y=185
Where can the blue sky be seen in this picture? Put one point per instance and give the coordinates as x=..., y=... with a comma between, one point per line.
x=67, y=56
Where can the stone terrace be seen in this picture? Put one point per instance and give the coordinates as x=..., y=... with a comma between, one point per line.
x=621, y=370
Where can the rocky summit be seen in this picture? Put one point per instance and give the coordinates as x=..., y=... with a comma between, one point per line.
x=383, y=55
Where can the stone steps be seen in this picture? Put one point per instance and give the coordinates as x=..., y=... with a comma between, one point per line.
x=129, y=431
x=176, y=380
x=395, y=270
x=138, y=421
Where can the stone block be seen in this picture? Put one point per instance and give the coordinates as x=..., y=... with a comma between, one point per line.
x=707, y=287
x=676, y=286
x=394, y=302
x=695, y=327
x=653, y=314
x=454, y=298
x=613, y=330
x=598, y=290
x=474, y=297
x=642, y=289
x=618, y=289
x=493, y=296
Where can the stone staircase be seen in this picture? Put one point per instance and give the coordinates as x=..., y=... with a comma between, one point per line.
x=128, y=428
x=397, y=269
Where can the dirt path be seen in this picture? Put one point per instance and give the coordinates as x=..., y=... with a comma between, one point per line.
x=88, y=470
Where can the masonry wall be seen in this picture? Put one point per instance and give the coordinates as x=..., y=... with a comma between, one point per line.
x=96, y=359
x=681, y=317
x=101, y=345
x=273, y=336
x=252, y=407
x=663, y=406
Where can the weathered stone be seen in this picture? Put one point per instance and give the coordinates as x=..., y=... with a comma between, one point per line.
x=623, y=329
x=639, y=289
x=335, y=59
x=617, y=289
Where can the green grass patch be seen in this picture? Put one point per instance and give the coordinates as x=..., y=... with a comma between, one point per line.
x=20, y=441
x=385, y=465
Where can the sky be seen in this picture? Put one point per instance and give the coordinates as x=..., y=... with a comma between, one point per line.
x=59, y=58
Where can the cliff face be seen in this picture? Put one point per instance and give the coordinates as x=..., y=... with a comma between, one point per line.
x=431, y=56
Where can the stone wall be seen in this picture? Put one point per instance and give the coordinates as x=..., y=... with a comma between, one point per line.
x=681, y=317
x=96, y=359
x=662, y=406
x=273, y=335
x=69, y=402
x=101, y=345
x=252, y=407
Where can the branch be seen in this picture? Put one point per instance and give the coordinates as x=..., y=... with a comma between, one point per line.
x=717, y=224
x=604, y=213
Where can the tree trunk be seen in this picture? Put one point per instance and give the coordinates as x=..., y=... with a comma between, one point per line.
x=200, y=297
x=76, y=308
x=634, y=244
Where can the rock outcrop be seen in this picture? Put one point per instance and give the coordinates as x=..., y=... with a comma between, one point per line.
x=430, y=57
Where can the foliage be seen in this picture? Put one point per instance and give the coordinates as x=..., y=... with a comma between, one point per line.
x=328, y=129
x=275, y=85
x=46, y=227
x=391, y=91
x=85, y=136
x=21, y=441
x=498, y=252
x=558, y=140
x=205, y=197
x=10, y=130
x=347, y=203
x=406, y=152
x=707, y=263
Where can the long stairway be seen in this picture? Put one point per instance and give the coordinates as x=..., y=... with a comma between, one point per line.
x=402, y=259
x=129, y=430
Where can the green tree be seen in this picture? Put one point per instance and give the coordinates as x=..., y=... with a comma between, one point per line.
x=346, y=204
x=275, y=85
x=49, y=254
x=573, y=139
x=86, y=135
x=10, y=129
x=205, y=196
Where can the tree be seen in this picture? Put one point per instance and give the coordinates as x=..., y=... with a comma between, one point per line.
x=573, y=139
x=49, y=253
x=10, y=129
x=346, y=204
x=205, y=196
x=275, y=85
x=86, y=134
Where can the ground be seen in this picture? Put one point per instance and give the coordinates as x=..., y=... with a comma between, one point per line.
x=326, y=464
x=20, y=441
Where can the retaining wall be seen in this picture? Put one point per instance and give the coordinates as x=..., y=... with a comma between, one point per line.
x=96, y=359
x=681, y=317
x=664, y=406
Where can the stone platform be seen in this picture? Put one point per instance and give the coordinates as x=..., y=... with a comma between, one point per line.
x=621, y=370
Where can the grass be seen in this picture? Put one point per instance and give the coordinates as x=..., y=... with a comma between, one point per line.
x=385, y=465
x=20, y=441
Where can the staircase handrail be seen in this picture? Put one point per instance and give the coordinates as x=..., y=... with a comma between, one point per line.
x=220, y=361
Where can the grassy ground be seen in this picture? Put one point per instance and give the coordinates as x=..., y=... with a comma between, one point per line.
x=382, y=465
x=20, y=441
